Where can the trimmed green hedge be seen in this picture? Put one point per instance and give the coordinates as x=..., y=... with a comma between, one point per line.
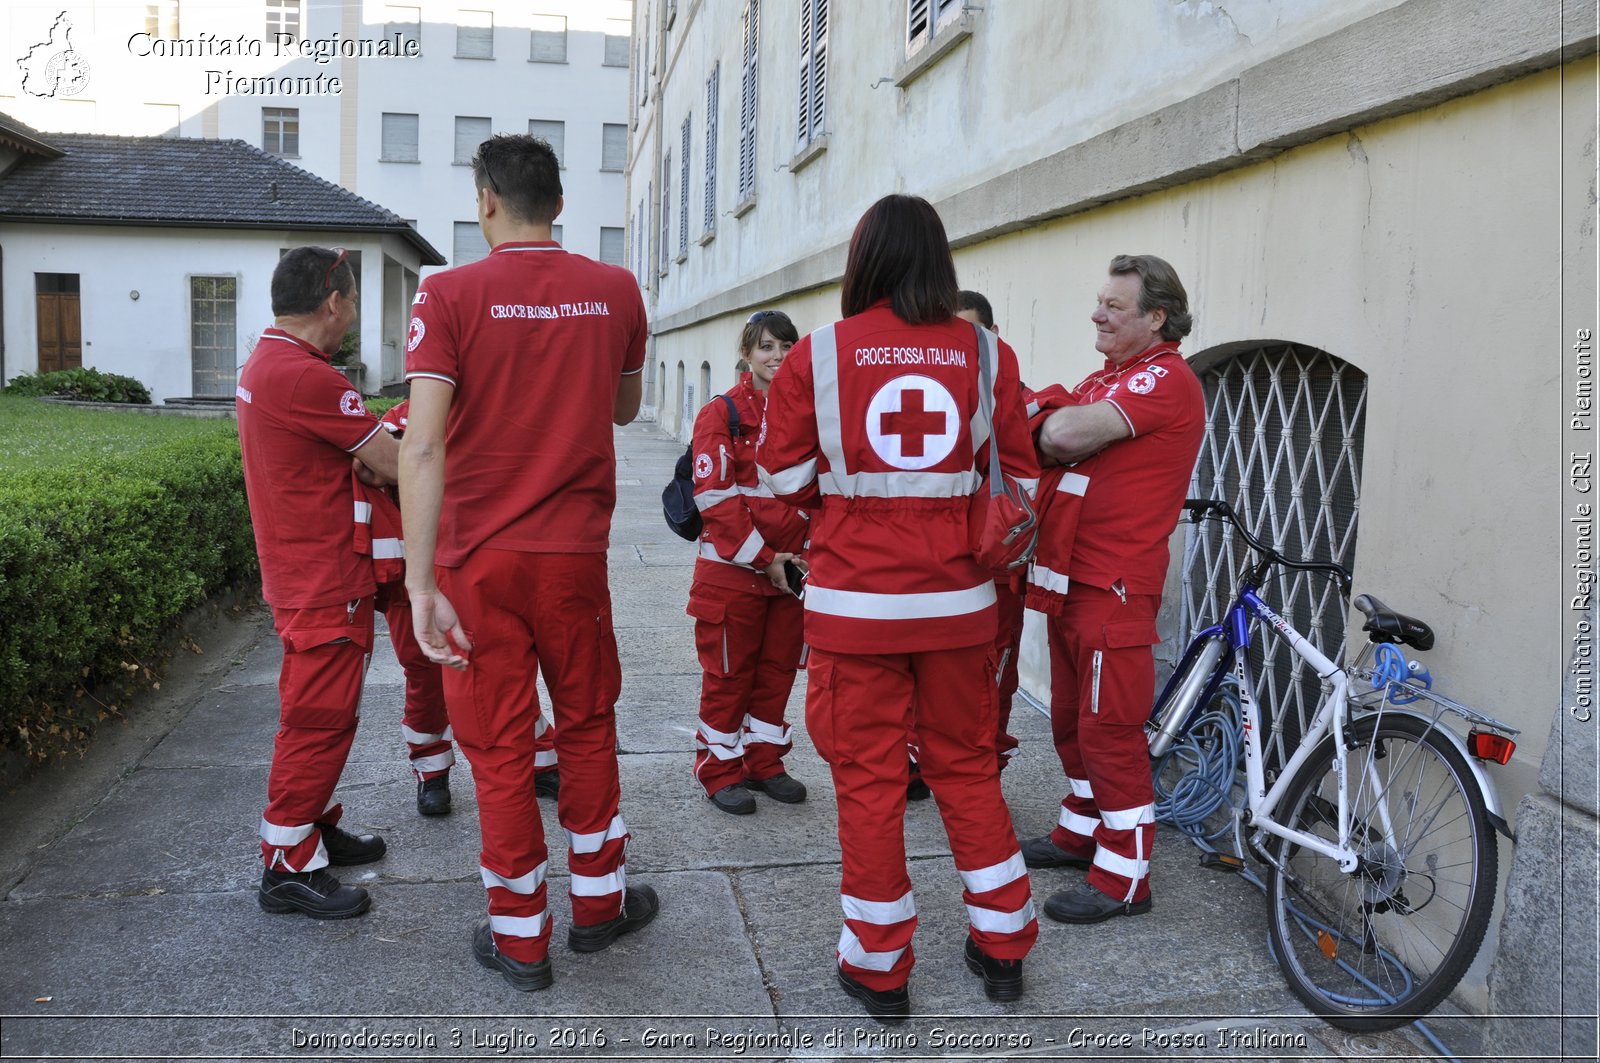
x=112, y=526
x=85, y=385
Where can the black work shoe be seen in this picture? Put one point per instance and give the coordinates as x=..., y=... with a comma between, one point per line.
x=734, y=800
x=1042, y=852
x=1085, y=904
x=780, y=787
x=547, y=782
x=433, y=795
x=639, y=906
x=314, y=893
x=526, y=977
x=1002, y=979
x=346, y=849
x=917, y=789
x=888, y=1006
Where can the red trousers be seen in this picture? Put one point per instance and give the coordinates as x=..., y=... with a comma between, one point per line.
x=858, y=710
x=425, y=725
x=750, y=647
x=526, y=614
x=1102, y=683
x=325, y=653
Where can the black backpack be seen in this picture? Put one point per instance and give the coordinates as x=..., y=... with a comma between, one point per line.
x=677, y=498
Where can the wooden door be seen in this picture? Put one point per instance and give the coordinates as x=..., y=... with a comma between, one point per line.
x=60, y=331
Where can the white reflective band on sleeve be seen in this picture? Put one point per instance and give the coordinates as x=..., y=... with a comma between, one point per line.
x=1106, y=860
x=1048, y=579
x=388, y=547
x=791, y=480
x=1073, y=483
x=992, y=878
x=598, y=885
x=519, y=926
x=749, y=548
x=545, y=758
x=417, y=738
x=882, y=913
x=527, y=885
x=1030, y=485
x=992, y=922
x=825, y=396
x=1081, y=788
x=903, y=484
x=851, y=952
x=583, y=844
x=363, y=512
x=926, y=605
x=758, y=491
x=438, y=762
x=704, y=500
x=1079, y=825
x=1128, y=818
x=761, y=731
x=285, y=837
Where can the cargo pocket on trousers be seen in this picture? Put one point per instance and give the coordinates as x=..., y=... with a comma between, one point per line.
x=820, y=704
x=710, y=634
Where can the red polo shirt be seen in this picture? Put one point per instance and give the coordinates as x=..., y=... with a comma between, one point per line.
x=299, y=422
x=535, y=341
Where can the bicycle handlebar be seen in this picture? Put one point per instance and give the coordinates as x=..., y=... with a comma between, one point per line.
x=1201, y=508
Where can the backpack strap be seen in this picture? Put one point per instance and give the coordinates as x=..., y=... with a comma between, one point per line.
x=733, y=416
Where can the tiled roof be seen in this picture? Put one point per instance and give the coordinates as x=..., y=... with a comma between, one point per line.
x=25, y=137
x=186, y=183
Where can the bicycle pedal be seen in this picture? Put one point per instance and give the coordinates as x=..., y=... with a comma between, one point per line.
x=1221, y=861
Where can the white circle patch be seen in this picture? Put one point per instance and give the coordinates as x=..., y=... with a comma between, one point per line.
x=702, y=466
x=414, y=336
x=350, y=404
x=1141, y=383
x=913, y=422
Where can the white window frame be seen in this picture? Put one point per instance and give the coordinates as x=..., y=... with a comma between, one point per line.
x=620, y=139
x=282, y=116
x=286, y=17
x=925, y=18
x=388, y=150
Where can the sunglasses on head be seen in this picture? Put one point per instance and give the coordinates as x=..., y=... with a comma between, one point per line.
x=327, y=278
x=489, y=175
x=762, y=315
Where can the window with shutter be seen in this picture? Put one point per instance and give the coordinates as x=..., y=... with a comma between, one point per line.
x=399, y=138
x=747, y=99
x=712, y=101
x=618, y=33
x=924, y=18
x=554, y=133
x=683, y=194
x=548, y=39
x=470, y=132
x=474, y=35
x=611, y=246
x=613, y=147
x=666, y=210
x=469, y=244
x=813, y=70
x=403, y=24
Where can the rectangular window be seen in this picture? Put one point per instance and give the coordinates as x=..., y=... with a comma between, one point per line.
x=555, y=233
x=613, y=147
x=553, y=132
x=548, y=42
x=404, y=24
x=925, y=17
x=712, y=83
x=399, y=138
x=469, y=244
x=747, y=99
x=474, y=35
x=161, y=19
x=283, y=21
x=213, y=334
x=683, y=192
x=638, y=244
x=611, y=246
x=813, y=70
x=644, y=64
x=280, y=131
x=470, y=132
x=619, y=31
x=666, y=211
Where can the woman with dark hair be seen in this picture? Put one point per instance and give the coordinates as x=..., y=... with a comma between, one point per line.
x=748, y=622
x=877, y=424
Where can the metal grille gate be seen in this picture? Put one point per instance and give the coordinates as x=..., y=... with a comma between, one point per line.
x=1283, y=444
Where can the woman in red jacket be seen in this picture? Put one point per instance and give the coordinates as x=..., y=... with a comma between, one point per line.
x=748, y=624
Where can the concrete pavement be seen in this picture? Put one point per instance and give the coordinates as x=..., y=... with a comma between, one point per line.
x=130, y=926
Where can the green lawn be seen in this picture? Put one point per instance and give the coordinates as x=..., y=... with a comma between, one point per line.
x=39, y=436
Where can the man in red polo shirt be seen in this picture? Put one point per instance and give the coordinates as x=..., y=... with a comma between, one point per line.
x=299, y=424
x=1141, y=417
x=519, y=365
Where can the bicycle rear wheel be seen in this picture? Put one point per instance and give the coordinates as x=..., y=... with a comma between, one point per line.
x=1381, y=947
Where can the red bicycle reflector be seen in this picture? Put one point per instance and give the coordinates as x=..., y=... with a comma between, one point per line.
x=1486, y=745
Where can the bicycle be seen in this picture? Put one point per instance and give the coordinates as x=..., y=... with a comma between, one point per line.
x=1378, y=834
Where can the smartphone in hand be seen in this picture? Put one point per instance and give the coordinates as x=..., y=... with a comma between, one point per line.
x=796, y=579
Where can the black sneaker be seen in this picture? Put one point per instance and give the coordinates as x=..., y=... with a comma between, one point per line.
x=639, y=906
x=780, y=787
x=346, y=849
x=433, y=795
x=916, y=788
x=888, y=1006
x=547, y=782
x=734, y=800
x=1002, y=979
x=525, y=977
x=1042, y=852
x=314, y=893
x=1085, y=904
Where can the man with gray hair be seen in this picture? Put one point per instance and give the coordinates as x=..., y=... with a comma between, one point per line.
x=1130, y=433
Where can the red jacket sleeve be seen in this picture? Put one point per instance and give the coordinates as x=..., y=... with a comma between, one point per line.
x=789, y=452
x=729, y=527
x=1011, y=432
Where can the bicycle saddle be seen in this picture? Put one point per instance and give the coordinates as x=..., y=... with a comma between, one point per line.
x=1386, y=625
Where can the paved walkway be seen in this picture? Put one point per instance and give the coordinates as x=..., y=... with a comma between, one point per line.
x=130, y=927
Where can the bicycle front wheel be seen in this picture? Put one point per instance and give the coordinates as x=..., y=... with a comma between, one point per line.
x=1381, y=947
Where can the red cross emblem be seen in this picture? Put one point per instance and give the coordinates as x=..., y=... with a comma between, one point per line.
x=913, y=422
